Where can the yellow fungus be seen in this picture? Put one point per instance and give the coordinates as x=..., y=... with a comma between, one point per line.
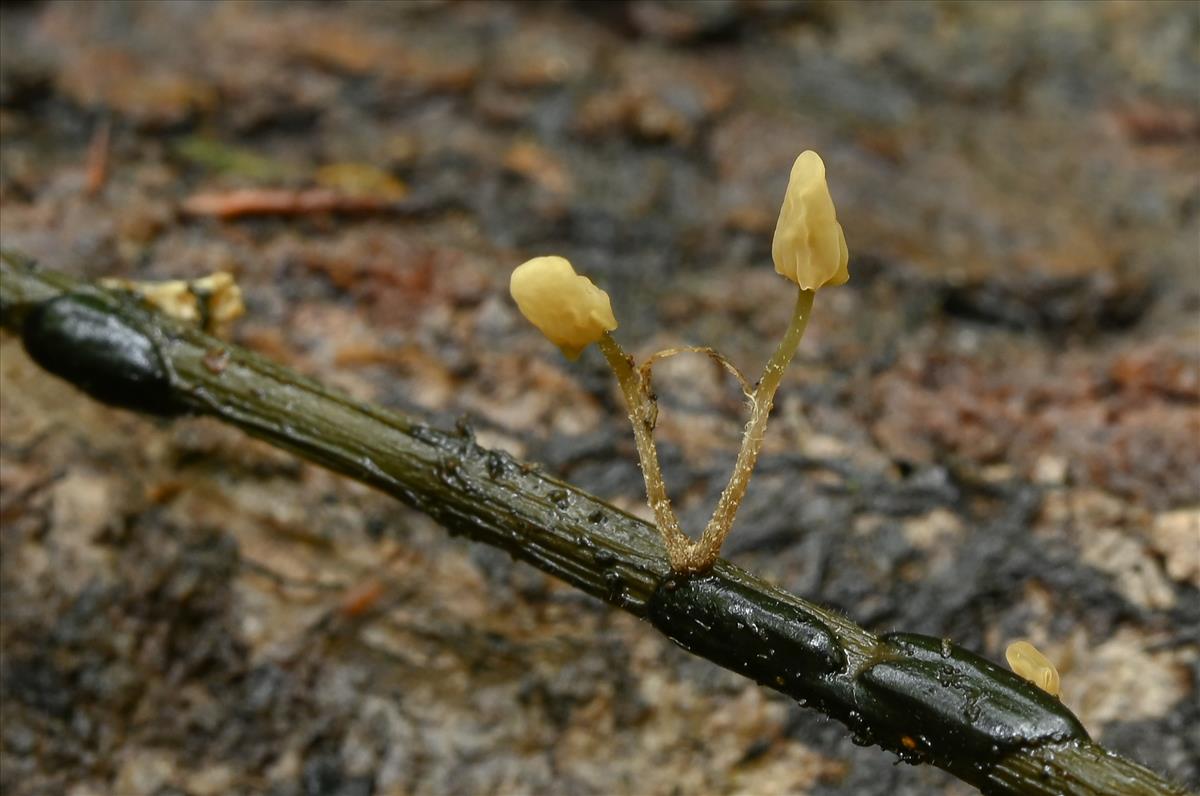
x=211, y=301
x=1024, y=659
x=220, y=297
x=566, y=307
x=171, y=298
x=809, y=247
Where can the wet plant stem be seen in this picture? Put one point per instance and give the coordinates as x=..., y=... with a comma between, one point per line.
x=925, y=699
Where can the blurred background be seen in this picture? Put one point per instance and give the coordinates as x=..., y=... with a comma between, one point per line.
x=989, y=433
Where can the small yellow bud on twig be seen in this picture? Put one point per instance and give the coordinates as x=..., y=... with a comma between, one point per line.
x=809, y=246
x=212, y=302
x=1025, y=659
x=571, y=311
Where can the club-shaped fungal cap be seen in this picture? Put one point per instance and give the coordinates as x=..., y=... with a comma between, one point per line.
x=1025, y=659
x=809, y=246
x=566, y=307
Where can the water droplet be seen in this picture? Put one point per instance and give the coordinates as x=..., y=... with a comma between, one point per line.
x=495, y=465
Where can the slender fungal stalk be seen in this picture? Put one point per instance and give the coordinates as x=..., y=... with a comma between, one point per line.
x=684, y=554
x=641, y=417
x=704, y=553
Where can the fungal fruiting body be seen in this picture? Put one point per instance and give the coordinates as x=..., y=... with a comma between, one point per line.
x=567, y=308
x=809, y=249
x=1028, y=662
x=212, y=302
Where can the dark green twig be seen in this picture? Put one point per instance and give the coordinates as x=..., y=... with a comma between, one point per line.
x=923, y=698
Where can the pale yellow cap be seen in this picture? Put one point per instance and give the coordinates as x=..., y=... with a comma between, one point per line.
x=566, y=307
x=809, y=246
x=1025, y=660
